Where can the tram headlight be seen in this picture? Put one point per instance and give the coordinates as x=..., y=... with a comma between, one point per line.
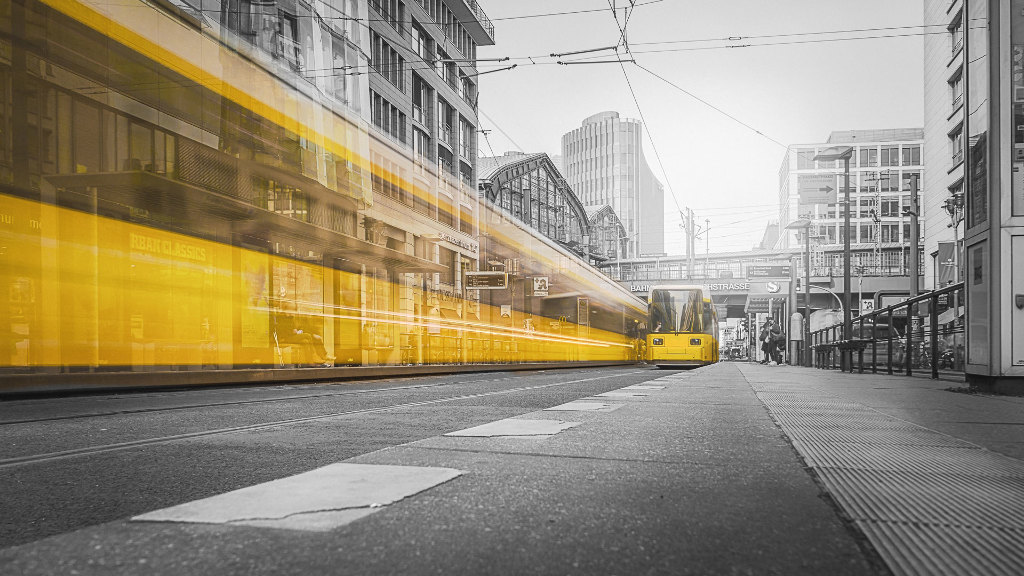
x=658, y=342
x=694, y=341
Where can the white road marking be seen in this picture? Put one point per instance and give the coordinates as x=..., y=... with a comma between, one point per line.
x=642, y=387
x=621, y=394
x=318, y=500
x=516, y=428
x=580, y=406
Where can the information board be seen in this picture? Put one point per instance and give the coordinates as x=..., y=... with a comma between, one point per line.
x=486, y=280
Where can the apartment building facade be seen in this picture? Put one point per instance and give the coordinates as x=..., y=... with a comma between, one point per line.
x=942, y=196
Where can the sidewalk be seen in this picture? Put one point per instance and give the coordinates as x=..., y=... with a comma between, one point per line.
x=930, y=474
x=685, y=474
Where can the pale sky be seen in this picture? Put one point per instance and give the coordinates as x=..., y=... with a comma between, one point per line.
x=793, y=93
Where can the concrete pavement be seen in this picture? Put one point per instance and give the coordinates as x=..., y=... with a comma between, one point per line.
x=730, y=469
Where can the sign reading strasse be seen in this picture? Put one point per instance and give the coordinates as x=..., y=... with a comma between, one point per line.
x=486, y=280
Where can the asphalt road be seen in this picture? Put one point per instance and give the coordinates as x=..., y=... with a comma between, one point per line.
x=692, y=476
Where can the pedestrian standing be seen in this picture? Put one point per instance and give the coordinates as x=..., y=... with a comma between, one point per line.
x=778, y=344
x=765, y=339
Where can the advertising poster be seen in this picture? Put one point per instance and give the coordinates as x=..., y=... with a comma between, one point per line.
x=978, y=294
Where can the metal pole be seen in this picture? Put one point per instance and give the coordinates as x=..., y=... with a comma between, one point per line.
x=707, y=247
x=807, y=294
x=846, y=253
x=915, y=266
x=888, y=369
x=933, y=310
x=794, y=355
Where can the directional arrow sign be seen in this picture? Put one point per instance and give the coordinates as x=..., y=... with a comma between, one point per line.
x=816, y=188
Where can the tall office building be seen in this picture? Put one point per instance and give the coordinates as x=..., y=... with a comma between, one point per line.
x=604, y=163
x=881, y=169
x=944, y=142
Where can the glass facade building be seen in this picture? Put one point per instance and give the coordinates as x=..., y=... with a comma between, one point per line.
x=605, y=164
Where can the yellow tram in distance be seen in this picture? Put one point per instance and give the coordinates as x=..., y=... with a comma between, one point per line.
x=683, y=327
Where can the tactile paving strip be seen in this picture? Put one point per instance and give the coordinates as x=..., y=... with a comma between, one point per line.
x=845, y=421
x=929, y=503
x=917, y=550
x=939, y=499
x=910, y=458
x=878, y=436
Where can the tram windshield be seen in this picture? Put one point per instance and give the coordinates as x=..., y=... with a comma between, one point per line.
x=675, y=310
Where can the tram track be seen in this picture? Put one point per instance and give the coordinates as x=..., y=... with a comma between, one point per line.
x=120, y=446
x=242, y=402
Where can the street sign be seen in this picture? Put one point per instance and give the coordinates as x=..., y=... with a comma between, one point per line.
x=867, y=306
x=486, y=280
x=540, y=285
x=769, y=271
x=816, y=188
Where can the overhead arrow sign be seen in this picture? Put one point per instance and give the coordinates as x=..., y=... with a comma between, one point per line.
x=816, y=188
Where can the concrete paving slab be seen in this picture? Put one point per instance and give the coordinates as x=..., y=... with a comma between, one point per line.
x=580, y=406
x=516, y=428
x=320, y=499
x=621, y=394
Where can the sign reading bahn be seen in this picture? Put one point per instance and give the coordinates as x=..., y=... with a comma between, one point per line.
x=486, y=280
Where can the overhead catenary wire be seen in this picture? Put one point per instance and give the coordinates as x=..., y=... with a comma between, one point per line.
x=495, y=124
x=650, y=137
x=710, y=105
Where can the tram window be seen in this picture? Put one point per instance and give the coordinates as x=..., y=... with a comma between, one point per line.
x=109, y=142
x=141, y=147
x=64, y=133
x=122, y=159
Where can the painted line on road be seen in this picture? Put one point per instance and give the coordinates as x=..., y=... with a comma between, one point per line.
x=319, y=500
x=106, y=448
x=516, y=428
x=582, y=406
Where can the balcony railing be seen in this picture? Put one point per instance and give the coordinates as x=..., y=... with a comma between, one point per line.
x=485, y=22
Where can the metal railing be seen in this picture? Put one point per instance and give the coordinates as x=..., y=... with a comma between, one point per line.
x=924, y=333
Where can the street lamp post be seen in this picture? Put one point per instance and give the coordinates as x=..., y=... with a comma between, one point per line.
x=844, y=153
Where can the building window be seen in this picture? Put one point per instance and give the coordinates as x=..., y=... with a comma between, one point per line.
x=280, y=198
x=420, y=144
x=956, y=89
x=421, y=93
x=388, y=118
x=465, y=138
x=444, y=121
x=421, y=42
x=890, y=232
x=805, y=159
x=392, y=12
x=890, y=206
x=387, y=62
x=912, y=155
x=956, y=145
x=956, y=34
x=868, y=157
x=890, y=155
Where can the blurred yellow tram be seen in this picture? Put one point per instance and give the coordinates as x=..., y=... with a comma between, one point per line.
x=683, y=327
